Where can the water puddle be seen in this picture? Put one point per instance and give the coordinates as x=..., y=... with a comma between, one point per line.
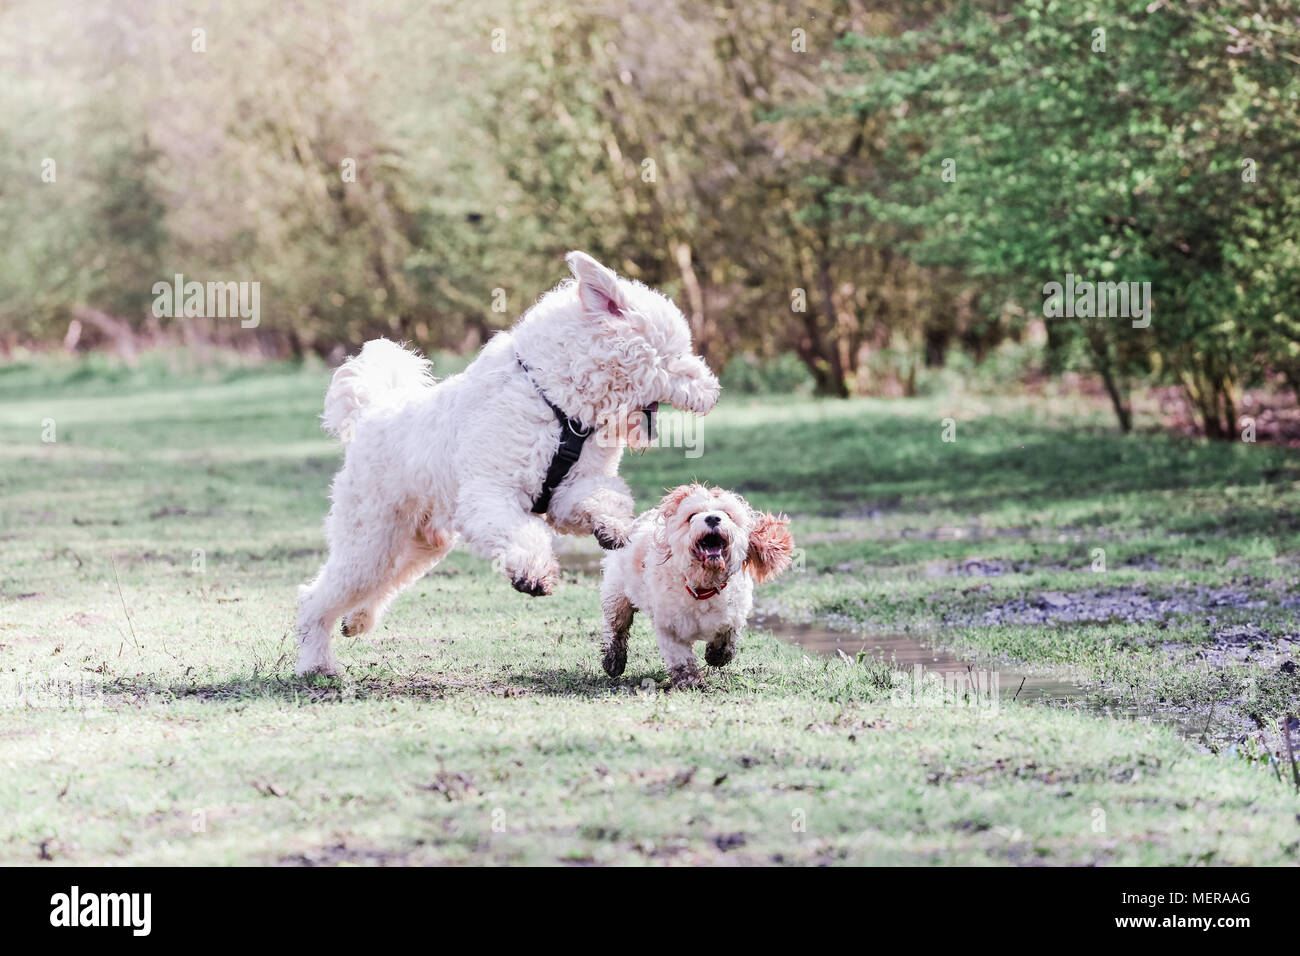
x=942, y=675
x=908, y=652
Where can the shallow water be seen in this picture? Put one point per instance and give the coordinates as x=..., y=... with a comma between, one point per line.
x=948, y=676
x=907, y=652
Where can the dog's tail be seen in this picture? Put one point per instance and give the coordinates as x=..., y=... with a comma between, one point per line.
x=383, y=374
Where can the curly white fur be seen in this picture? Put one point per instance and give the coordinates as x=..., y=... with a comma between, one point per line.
x=430, y=464
x=691, y=564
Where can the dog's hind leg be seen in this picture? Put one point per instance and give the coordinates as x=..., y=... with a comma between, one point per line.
x=618, y=614
x=319, y=605
x=358, y=568
x=422, y=554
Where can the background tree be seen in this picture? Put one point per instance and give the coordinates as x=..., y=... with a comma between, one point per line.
x=417, y=170
x=1112, y=140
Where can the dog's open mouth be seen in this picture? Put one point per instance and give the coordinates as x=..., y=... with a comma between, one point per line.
x=711, y=548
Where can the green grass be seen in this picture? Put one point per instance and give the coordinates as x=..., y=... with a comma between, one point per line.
x=149, y=557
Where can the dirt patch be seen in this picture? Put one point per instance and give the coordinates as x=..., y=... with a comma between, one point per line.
x=932, y=674
x=140, y=692
x=1245, y=644
x=176, y=511
x=1135, y=604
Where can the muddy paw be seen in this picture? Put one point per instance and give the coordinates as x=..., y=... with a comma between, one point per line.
x=718, y=655
x=685, y=678
x=615, y=659
x=537, y=587
x=610, y=537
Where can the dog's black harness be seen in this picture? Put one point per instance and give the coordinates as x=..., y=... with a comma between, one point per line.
x=572, y=437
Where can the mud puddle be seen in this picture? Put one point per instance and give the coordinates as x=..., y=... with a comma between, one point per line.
x=1128, y=604
x=907, y=652
x=945, y=674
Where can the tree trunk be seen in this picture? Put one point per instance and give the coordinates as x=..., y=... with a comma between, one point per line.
x=1114, y=385
x=1211, y=395
x=694, y=299
x=1118, y=400
x=831, y=348
x=810, y=347
x=936, y=345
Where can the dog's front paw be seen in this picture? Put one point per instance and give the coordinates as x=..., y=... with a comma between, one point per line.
x=615, y=659
x=355, y=623
x=719, y=655
x=685, y=677
x=611, y=514
x=539, y=586
x=611, y=535
x=530, y=572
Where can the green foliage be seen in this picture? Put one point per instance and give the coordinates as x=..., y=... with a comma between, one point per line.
x=393, y=172
x=479, y=160
x=783, y=375
x=1113, y=140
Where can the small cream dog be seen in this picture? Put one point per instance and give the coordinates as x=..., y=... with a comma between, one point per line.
x=691, y=564
x=478, y=457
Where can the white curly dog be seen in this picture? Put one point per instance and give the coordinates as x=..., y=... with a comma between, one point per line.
x=691, y=564
x=474, y=457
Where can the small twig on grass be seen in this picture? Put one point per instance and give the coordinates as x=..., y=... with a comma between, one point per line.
x=1021, y=687
x=1290, y=754
x=125, y=612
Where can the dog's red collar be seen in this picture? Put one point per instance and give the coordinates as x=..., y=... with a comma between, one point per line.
x=706, y=593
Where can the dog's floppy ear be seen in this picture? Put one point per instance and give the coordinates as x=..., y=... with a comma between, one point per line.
x=597, y=286
x=667, y=509
x=770, y=546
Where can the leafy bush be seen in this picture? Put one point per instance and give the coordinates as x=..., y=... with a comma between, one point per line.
x=1120, y=142
x=784, y=375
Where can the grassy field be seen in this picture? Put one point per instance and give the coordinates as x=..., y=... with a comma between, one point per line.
x=149, y=555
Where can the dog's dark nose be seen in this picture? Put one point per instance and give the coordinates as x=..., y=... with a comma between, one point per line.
x=712, y=520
